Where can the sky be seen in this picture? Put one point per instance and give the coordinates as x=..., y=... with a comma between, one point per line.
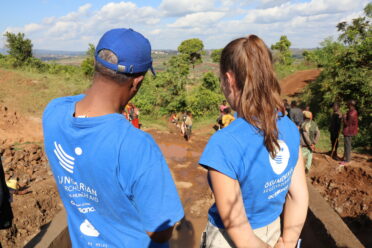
x=70, y=25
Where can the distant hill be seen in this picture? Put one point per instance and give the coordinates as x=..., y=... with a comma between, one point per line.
x=297, y=52
x=42, y=52
x=47, y=55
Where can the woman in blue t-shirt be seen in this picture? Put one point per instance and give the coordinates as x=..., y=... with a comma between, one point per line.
x=255, y=167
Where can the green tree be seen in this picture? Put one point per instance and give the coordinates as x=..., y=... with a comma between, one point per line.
x=210, y=81
x=216, y=55
x=178, y=64
x=88, y=64
x=284, y=54
x=358, y=30
x=202, y=102
x=346, y=74
x=193, y=49
x=166, y=92
x=19, y=48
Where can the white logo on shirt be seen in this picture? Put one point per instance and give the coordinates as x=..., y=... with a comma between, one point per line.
x=280, y=162
x=88, y=229
x=65, y=160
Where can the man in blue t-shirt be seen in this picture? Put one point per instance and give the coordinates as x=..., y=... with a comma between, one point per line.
x=112, y=177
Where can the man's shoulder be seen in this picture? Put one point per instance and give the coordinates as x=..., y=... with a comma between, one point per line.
x=137, y=139
x=65, y=99
x=62, y=101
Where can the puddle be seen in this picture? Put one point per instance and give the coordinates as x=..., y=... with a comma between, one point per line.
x=182, y=158
x=177, y=152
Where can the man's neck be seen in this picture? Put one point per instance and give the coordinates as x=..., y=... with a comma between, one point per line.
x=101, y=99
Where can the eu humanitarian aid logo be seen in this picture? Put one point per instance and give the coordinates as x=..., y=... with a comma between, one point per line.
x=66, y=161
x=280, y=162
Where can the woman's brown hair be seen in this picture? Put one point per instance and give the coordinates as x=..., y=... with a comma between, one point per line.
x=259, y=101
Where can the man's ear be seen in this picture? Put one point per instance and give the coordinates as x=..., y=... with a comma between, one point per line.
x=136, y=83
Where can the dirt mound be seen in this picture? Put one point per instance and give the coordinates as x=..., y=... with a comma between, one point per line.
x=295, y=82
x=348, y=191
x=36, y=201
x=15, y=128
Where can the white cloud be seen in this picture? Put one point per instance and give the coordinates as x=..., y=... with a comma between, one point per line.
x=181, y=7
x=197, y=19
x=155, y=32
x=32, y=27
x=74, y=16
x=288, y=11
x=67, y=32
x=216, y=22
x=273, y=3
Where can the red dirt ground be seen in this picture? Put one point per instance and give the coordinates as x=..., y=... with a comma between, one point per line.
x=295, y=82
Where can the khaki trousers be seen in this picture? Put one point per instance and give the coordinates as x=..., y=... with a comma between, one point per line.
x=214, y=237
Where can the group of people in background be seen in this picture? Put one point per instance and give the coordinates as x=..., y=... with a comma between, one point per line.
x=310, y=132
x=225, y=117
x=349, y=120
x=131, y=113
x=184, y=122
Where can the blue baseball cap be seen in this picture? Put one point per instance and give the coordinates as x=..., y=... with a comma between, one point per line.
x=132, y=49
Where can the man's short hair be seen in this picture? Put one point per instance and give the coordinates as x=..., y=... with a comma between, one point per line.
x=335, y=104
x=352, y=103
x=118, y=77
x=227, y=110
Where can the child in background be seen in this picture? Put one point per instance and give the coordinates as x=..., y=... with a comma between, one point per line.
x=188, y=125
x=227, y=117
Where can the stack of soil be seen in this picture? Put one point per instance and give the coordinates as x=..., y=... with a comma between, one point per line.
x=36, y=200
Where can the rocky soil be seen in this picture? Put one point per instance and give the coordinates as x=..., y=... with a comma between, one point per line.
x=348, y=190
x=36, y=200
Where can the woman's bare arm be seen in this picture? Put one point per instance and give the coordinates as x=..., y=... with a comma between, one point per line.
x=232, y=212
x=295, y=208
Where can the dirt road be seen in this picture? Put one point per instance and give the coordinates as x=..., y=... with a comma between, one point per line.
x=295, y=82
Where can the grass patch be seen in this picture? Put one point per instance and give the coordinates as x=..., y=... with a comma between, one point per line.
x=30, y=92
x=324, y=142
x=20, y=146
x=283, y=71
x=202, y=122
x=151, y=122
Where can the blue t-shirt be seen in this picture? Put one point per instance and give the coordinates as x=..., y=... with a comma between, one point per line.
x=112, y=178
x=238, y=151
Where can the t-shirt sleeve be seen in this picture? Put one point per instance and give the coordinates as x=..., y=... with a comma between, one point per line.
x=153, y=190
x=222, y=153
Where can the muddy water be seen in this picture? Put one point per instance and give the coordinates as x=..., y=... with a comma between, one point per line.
x=190, y=178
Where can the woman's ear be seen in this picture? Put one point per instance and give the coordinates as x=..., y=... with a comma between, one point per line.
x=230, y=77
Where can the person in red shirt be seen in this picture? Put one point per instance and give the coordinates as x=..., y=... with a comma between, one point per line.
x=350, y=120
x=133, y=112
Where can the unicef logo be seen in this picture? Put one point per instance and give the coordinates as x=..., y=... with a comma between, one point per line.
x=280, y=162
